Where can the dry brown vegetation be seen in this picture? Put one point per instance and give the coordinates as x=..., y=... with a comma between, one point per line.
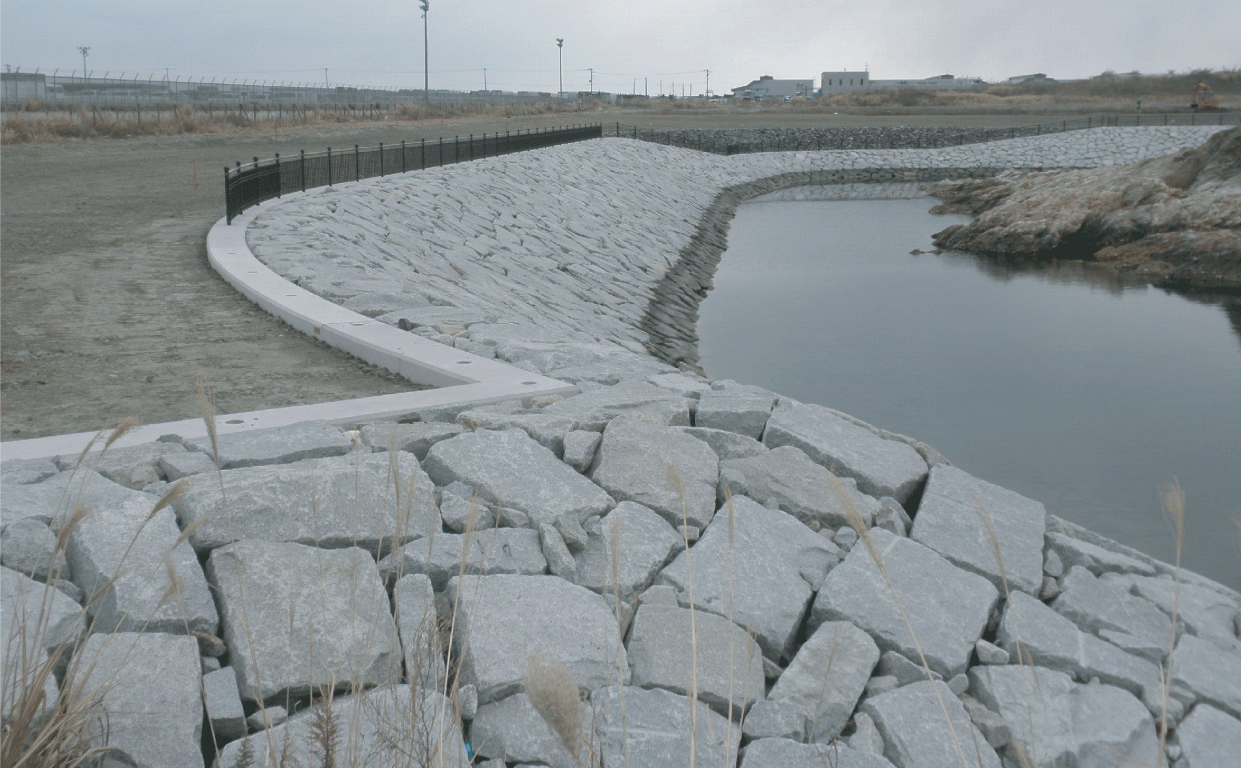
x=37, y=122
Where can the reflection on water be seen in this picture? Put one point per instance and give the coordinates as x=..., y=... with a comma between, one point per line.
x=1061, y=380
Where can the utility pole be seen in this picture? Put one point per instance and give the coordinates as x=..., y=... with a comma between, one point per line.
x=646, y=87
x=484, y=79
x=326, y=82
x=707, y=93
x=560, y=45
x=426, y=55
x=592, y=81
x=83, y=49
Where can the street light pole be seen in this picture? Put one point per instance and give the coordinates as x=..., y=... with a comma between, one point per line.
x=426, y=55
x=560, y=45
x=84, y=49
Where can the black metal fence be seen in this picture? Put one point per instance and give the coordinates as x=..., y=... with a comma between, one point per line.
x=260, y=180
x=732, y=141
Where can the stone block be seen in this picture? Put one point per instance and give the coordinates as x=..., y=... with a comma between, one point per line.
x=787, y=479
x=223, y=702
x=559, y=561
x=758, y=569
x=1205, y=612
x=372, y=501
x=28, y=547
x=725, y=662
x=947, y=607
x=134, y=467
x=784, y=753
x=297, y=618
x=646, y=544
x=776, y=719
x=827, y=676
x=727, y=445
x=275, y=445
x=593, y=410
x=1094, y=558
x=1208, y=737
x=579, y=449
x=416, y=438
x=548, y=430
x=175, y=466
x=461, y=508
x=495, y=550
x=740, y=413
x=510, y=469
x=958, y=516
x=915, y=734
x=26, y=471
x=660, y=468
x=1096, y=607
x=1054, y=721
x=880, y=467
x=503, y=620
x=150, y=685
x=417, y=624
x=653, y=729
x=1208, y=672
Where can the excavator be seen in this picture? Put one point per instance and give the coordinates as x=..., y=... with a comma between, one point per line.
x=1205, y=99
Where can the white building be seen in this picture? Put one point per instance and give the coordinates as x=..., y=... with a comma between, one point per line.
x=853, y=82
x=767, y=87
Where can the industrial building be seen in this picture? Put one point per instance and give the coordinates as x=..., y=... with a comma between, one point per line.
x=853, y=82
x=767, y=87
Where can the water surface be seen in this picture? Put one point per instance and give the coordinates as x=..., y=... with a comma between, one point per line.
x=1061, y=382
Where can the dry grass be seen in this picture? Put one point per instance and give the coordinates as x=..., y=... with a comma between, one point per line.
x=33, y=126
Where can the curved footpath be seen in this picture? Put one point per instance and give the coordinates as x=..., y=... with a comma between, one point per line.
x=599, y=488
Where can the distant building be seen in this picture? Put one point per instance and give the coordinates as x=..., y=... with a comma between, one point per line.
x=767, y=87
x=1034, y=79
x=853, y=82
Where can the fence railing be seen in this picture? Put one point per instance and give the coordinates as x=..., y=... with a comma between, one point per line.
x=260, y=180
x=731, y=141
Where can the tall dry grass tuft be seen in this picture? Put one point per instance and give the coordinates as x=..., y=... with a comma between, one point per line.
x=1173, y=498
x=554, y=694
x=672, y=475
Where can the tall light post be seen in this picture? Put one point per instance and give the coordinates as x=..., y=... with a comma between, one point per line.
x=425, y=5
x=83, y=49
x=560, y=45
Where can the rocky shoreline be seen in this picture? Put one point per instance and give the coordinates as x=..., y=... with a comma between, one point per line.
x=704, y=561
x=1173, y=221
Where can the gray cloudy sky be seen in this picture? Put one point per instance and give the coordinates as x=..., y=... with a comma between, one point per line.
x=379, y=42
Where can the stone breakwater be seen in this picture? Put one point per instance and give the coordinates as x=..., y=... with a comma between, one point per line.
x=737, y=140
x=678, y=546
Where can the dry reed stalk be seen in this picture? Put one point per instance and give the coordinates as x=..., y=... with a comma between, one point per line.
x=672, y=475
x=555, y=696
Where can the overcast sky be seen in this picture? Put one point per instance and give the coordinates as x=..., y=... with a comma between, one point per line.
x=379, y=42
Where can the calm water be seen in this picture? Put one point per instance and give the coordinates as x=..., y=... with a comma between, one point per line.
x=1060, y=384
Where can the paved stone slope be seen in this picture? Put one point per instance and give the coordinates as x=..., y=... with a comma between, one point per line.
x=661, y=539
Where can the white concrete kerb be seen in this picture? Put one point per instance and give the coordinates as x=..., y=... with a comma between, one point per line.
x=459, y=378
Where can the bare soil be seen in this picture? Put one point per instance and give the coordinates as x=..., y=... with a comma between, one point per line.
x=108, y=307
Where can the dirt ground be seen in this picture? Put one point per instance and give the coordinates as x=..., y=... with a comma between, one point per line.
x=108, y=307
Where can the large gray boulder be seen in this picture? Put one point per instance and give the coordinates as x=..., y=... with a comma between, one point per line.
x=416, y=438
x=513, y=730
x=723, y=661
x=1094, y=558
x=1057, y=722
x=785, y=753
x=652, y=728
x=503, y=620
x=1205, y=612
x=1035, y=634
x=495, y=550
x=26, y=471
x=758, y=569
x=28, y=546
x=646, y=544
x=367, y=733
x=594, y=409
x=34, y=620
x=727, y=445
x=1208, y=673
x=637, y=460
x=417, y=623
x=297, y=618
x=511, y=469
x=827, y=676
x=739, y=411
x=916, y=734
x=947, y=607
x=376, y=502
x=275, y=445
x=150, y=685
x=1104, y=610
x=1209, y=738
x=547, y=429
x=786, y=478
x=141, y=575
x=880, y=467
x=951, y=521
x=222, y=700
